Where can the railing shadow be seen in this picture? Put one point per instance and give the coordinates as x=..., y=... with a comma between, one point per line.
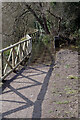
x=37, y=110
x=38, y=103
x=7, y=82
x=27, y=102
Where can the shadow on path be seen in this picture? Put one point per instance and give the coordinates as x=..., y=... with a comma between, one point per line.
x=27, y=103
x=7, y=82
x=37, y=110
x=38, y=103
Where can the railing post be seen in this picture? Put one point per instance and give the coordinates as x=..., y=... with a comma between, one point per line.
x=30, y=45
x=19, y=52
x=13, y=58
x=27, y=47
x=1, y=65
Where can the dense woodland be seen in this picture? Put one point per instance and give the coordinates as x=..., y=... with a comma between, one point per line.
x=52, y=18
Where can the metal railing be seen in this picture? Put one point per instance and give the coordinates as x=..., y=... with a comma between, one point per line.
x=12, y=56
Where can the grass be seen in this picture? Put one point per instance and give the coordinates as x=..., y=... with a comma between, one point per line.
x=66, y=89
x=54, y=91
x=58, y=75
x=72, y=77
x=71, y=92
x=67, y=112
x=50, y=111
x=67, y=66
x=64, y=102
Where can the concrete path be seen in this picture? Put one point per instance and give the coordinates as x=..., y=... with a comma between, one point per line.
x=23, y=93
x=43, y=91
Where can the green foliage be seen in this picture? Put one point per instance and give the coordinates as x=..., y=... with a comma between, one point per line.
x=72, y=77
x=62, y=102
x=6, y=53
x=53, y=4
x=58, y=75
x=50, y=111
x=48, y=24
x=46, y=39
x=71, y=92
x=67, y=88
x=67, y=66
x=72, y=15
x=77, y=35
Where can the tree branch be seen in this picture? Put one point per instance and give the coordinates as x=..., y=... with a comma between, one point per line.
x=58, y=17
x=41, y=20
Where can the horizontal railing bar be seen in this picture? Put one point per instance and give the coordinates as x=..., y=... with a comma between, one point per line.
x=11, y=46
x=25, y=47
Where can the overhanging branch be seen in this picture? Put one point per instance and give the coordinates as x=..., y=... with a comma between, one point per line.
x=58, y=17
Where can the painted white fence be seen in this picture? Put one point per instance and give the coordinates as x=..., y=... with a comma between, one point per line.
x=12, y=56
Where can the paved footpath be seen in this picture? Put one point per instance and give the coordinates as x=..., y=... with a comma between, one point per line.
x=24, y=93
x=43, y=91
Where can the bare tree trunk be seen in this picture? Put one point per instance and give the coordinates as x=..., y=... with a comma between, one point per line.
x=59, y=23
x=45, y=25
x=43, y=21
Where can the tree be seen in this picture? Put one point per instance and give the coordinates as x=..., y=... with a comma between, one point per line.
x=54, y=18
x=15, y=22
